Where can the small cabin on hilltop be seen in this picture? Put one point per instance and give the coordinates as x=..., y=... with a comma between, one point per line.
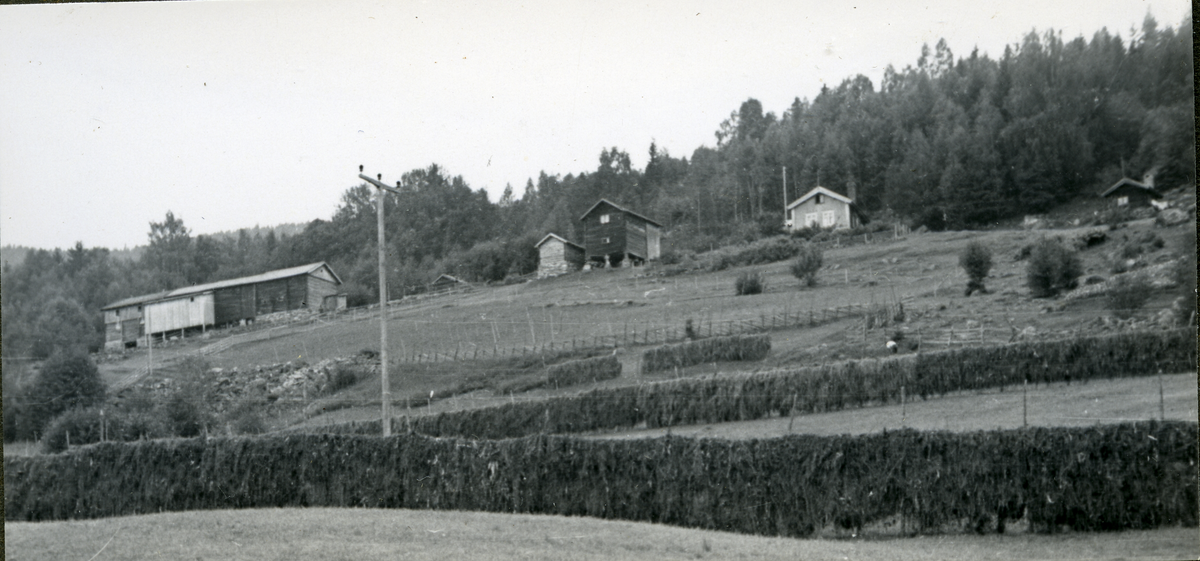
x=618, y=237
x=822, y=208
x=1132, y=194
x=313, y=287
x=557, y=256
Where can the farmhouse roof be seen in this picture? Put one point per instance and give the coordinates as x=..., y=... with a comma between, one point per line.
x=1131, y=183
x=823, y=191
x=559, y=238
x=199, y=288
x=862, y=216
x=620, y=208
x=444, y=276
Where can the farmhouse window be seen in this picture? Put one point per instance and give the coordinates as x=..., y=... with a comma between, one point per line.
x=1122, y=201
x=604, y=219
x=827, y=218
x=810, y=219
x=819, y=198
x=605, y=240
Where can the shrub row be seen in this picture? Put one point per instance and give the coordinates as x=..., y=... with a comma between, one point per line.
x=1112, y=477
x=583, y=371
x=815, y=389
x=84, y=426
x=736, y=347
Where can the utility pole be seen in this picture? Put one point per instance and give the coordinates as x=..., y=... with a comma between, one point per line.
x=383, y=357
x=785, y=212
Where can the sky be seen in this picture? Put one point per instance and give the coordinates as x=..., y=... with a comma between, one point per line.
x=233, y=114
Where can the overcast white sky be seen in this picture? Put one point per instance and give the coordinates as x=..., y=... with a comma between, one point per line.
x=233, y=114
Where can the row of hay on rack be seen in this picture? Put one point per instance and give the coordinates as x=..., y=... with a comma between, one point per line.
x=583, y=371
x=1130, y=476
x=715, y=349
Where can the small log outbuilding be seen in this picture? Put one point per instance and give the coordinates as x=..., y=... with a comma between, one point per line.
x=616, y=236
x=313, y=287
x=822, y=208
x=445, y=283
x=1132, y=194
x=557, y=256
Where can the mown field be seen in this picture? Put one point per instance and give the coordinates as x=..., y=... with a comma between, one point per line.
x=1115, y=400
x=368, y=534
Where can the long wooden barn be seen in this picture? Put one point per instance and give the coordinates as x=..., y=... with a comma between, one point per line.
x=313, y=287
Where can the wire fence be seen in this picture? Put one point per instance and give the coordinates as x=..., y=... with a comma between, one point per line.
x=632, y=336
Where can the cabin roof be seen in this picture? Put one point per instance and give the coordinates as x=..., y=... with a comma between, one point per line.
x=620, y=208
x=559, y=238
x=1125, y=181
x=199, y=288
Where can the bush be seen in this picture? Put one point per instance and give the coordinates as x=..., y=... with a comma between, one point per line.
x=79, y=426
x=1052, y=269
x=87, y=426
x=1184, y=274
x=246, y=417
x=137, y=425
x=976, y=260
x=808, y=261
x=1126, y=295
x=67, y=381
x=342, y=377
x=186, y=411
x=670, y=257
x=749, y=283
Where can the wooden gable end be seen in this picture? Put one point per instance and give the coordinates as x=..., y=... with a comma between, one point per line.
x=604, y=231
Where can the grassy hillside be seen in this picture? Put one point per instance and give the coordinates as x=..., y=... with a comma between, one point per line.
x=919, y=271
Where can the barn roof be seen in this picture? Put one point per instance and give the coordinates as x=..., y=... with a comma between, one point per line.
x=559, y=238
x=199, y=288
x=135, y=300
x=1133, y=184
x=620, y=208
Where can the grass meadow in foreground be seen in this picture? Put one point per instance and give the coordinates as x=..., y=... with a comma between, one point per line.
x=364, y=534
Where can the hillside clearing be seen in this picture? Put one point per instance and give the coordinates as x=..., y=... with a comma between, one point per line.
x=919, y=271
x=326, y=533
